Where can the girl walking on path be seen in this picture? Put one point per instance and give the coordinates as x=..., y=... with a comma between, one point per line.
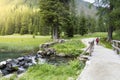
x=97, y=40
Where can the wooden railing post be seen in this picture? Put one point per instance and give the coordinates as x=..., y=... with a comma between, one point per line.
x=113, y=43
x=116, y=45
x=117, y=49
x=90, y=48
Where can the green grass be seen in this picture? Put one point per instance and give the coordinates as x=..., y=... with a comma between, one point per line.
x=105, y=43
x=21, y=43
x=72, y=47
x=96, y=34
x=13, y=46
x=51, y=72
x=116, y=35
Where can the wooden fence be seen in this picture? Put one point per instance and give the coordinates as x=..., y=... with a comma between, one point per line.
x=116, y=45
x=90, y=48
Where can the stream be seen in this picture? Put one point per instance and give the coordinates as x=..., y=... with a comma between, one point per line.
x=21, y=64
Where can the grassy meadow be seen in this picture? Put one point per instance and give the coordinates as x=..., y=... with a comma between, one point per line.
x=21, y=43
x=47, y=71
x=16, y=45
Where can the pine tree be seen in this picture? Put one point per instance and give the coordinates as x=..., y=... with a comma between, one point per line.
x=24, y=26
x=106, y=7
x=52, y=15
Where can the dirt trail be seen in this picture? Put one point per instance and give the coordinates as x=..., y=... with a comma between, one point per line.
x=104, y=64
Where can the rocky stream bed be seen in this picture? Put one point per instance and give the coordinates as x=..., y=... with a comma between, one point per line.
x=44, y=55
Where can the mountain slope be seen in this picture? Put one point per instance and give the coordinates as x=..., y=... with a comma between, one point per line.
x=82, y=7
x=32, y=3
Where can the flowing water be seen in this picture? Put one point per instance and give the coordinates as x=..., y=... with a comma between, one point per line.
x=9, y=55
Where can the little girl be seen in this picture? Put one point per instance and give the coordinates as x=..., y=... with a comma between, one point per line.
x=97, y=40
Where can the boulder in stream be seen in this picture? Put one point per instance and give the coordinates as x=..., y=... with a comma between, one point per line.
x=46, y=52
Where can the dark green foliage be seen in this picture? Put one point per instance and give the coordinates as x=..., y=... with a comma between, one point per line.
x=69, y=28
x=115, y=17
x=110, y=14
x=30, y=27
x=24, y=26
x=91, y=24
x=101, y=25
x=69, y=31
x=117, y=35
x=82, y=28
x=3, y=31
x=52, y=14
x=51, y=17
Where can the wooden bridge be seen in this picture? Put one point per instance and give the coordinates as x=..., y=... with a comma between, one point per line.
x=103, y=64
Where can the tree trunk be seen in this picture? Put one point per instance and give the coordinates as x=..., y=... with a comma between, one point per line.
x=110, y=31
x=55, y=32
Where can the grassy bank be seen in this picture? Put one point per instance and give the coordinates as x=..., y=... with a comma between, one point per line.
x=105, y=43
x=13, y=46
x=51, y=72
x=71, y=47
x=74, y=45
x=18, y=43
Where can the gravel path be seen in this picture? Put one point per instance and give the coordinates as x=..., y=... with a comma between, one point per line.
x=104, y=64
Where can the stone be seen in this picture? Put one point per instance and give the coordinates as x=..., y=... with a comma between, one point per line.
x=46, y=45
x=4, y=72
x=20, y=70
x=20, y=58
x=61, y=40
x=21, y=63
x=27, y=59
x=61, y=55
x=50, y=51
x=26, y=65
x=15, y=61
x=46, y=52
x=2, y=66
x=38, y=56
x=8, y=64
x=8, y=60
x=3, y=62
x=39, y=53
